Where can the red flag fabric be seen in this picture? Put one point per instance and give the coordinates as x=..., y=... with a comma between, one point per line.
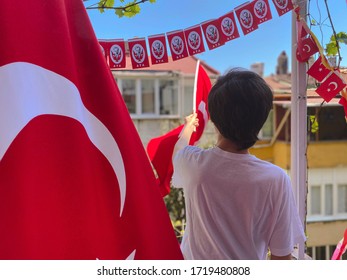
x=246, y=17
x=213, y=33
x=318, y=70
x=340, y=248
x=229, y=27
x=331, y=87
x=160, y=149
x=157, y=46
x=138, y=53
x=305, y=49
x=177, y=44
x=283, y=6
x=194, y=40
x=262, y=10
x=343, y=102
x=117, y=55
x=75, y=181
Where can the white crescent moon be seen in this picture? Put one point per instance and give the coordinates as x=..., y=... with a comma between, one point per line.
x=202, y=109
x=28, y=91
x=131, y=256
x=334, y=84
x=308, y=48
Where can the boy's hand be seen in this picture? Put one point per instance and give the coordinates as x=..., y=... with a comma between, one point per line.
x=192, y=121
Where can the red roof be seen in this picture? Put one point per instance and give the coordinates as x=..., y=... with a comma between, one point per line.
x=186, y=65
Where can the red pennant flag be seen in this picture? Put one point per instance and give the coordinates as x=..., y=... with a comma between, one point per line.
x=75, y=181
x=138, y=53
x=262, y=10
x=177, y=44
x=158, y=49
x=213, y=33
x=318, y=70
x=229, y=27
x=194, y=40
x=160, y=149
x=331, y=87
x=246, y=17
x=306, y=48
x=283, y=6
x=303, y=30
x=117, y=54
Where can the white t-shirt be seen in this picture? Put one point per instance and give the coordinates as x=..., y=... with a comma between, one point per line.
x=237, y=206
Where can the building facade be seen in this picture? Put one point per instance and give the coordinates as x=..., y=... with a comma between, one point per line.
x=159, y=97
x=326, y=217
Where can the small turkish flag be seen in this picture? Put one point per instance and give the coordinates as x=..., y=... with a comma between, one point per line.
x=283, y=6
x=262, y=10
x=138, y=53
x=177, y=44
x=229, y=27
x=75, y=180
x=213, y=33
x=305, y=49
x=318, y=70
x=158, y=49
x=194, y=40
x=160, y=149
x=246, y=17
x=331, y=87
x=117, y=55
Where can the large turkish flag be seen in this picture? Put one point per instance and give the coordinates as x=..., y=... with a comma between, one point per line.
x=75, y=181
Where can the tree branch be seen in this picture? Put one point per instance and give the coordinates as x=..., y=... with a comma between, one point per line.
x=94, y=7
x=334, y=34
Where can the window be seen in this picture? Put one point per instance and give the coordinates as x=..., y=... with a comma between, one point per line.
x=342, y=198
x=128, y=89
x=327, y=200
x=315, y=200
x=150, y=97
x=147, y=94
x=188, y=100
x=168, y=97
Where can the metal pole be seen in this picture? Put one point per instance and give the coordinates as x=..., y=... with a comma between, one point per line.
x=299, y=127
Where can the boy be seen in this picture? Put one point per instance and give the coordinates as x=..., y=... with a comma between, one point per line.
x=237, y=205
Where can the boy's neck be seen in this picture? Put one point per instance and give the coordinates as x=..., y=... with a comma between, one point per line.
x=229, y=146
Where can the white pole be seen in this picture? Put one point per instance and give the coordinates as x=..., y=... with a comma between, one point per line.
x=299, y=127
x=195, y=85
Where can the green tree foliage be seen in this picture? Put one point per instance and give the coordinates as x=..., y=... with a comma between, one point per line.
x=332, y=47
x=122, y=8
x=175, y=205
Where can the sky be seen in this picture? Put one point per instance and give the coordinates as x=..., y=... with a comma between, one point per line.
x=262, y=45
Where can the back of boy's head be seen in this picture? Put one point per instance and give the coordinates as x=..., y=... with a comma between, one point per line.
x=239, y=104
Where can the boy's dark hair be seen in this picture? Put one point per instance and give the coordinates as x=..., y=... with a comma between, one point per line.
x=239, y=104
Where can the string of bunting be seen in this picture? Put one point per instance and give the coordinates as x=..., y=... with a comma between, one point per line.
x=330, y=78
x=217, y=32
x=189, y=41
